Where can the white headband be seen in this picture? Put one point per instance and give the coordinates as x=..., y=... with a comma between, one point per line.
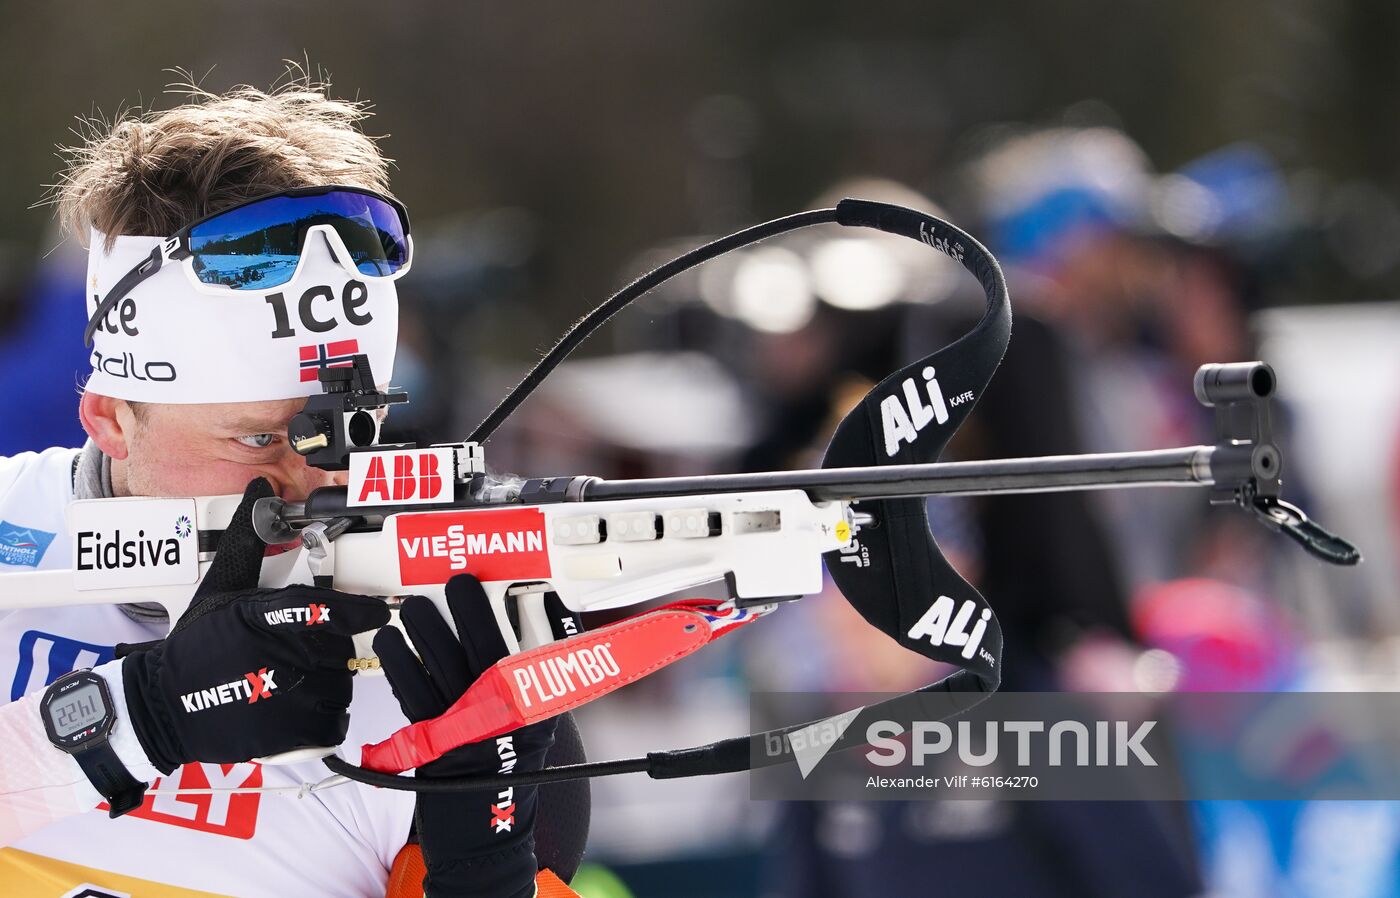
x=168, y=342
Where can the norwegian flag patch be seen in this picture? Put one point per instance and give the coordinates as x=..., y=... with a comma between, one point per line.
x=340, y=354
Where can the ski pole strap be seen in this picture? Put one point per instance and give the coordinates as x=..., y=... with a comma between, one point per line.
x=543, y=682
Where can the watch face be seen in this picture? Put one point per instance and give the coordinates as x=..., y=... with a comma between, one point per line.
x=77, y=709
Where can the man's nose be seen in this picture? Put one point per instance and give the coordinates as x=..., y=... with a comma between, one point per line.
x=297, y=479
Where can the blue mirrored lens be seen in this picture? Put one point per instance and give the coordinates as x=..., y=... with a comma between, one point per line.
x=257, y=246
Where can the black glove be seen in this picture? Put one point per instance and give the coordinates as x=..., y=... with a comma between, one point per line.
x=247, y=672
x=474, y=843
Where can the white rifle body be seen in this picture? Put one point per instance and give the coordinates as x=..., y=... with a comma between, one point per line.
x=594, y=555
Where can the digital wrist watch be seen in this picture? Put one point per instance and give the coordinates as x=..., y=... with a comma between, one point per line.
x=78, y=717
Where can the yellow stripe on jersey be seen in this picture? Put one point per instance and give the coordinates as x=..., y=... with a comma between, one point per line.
x=26, y=875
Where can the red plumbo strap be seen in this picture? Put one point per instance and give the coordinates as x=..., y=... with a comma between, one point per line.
x=539, y=683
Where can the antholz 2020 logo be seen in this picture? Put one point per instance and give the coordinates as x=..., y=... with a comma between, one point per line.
x=904, y=415
x=22, y=546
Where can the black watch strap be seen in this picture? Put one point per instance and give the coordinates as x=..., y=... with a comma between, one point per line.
x=109, y=776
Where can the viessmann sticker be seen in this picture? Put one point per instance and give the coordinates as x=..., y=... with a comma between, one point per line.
x=507, y=544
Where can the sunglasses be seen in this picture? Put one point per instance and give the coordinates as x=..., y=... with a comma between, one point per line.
x=259, y=245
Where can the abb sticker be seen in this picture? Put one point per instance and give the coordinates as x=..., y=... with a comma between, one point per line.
x=508, y=544
x=221, y=814
x=406, y=477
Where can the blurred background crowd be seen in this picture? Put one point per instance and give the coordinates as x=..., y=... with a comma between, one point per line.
x=1165, y=184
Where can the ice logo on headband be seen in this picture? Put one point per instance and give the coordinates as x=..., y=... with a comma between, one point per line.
x=168, y=342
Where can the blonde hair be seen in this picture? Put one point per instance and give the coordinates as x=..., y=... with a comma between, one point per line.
x=152, y=173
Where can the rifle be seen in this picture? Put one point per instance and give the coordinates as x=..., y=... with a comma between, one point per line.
x=412, y=517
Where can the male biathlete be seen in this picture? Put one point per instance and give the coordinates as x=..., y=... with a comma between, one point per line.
x=289, y=245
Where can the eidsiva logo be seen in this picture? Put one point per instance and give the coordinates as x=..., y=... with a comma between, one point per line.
x=113, y=551
x=133, y=542
x=490, y=545
x=22, y=546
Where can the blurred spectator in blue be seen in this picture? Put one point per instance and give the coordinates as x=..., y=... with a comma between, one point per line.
x=42, y=357
x=1041, y=194
x=1146, y=278
x=1142, y=278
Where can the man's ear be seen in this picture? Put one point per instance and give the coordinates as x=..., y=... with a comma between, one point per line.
x=108, y=422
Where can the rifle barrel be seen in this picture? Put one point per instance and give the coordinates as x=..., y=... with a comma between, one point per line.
x=1186, y=466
